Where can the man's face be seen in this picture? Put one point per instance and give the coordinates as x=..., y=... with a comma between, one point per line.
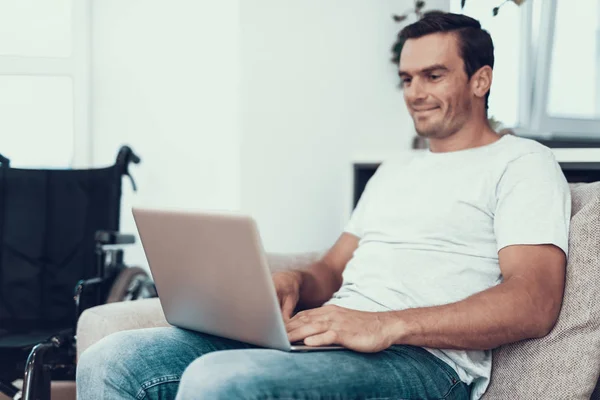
x=436, y=87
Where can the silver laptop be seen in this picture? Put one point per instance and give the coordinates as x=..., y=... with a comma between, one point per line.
x=212, y=276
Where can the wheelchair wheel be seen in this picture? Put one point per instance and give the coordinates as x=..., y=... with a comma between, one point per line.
x=132, y=283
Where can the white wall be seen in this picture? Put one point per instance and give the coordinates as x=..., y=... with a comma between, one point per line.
x=260, y=105
x=318, y=90
x=166, y=81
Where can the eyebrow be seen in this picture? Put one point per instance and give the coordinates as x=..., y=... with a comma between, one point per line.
x=435, y=67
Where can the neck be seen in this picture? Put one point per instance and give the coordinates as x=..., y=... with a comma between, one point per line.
x=474, y=133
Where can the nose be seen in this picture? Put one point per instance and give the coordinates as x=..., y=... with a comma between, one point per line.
x=415, y=92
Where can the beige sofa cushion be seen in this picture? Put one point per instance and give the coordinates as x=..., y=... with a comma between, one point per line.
x=566, y=363
x=100, y=321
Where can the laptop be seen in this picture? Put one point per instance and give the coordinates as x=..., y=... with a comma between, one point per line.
x=211, y=275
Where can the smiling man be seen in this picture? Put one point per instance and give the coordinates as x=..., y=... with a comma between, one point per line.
x=447, y=255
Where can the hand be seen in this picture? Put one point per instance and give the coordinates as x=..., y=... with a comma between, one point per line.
x=362, y=331
x=287, y=286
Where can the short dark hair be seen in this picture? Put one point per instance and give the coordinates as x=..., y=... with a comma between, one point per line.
x=475, y=44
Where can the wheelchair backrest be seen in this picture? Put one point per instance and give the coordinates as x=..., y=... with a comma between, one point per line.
x=48, y=219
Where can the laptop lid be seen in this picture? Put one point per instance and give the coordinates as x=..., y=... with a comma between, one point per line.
x=211, y=274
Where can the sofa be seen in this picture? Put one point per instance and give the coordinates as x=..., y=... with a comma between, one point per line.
x=565, y=364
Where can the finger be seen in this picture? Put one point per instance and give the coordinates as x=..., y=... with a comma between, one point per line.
x=308, y=317
x=326, y=338
x=307, y=330
x=287, y=308
x=296, y=322
x=302, y=315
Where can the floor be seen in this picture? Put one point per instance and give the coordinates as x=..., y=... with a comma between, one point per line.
x=61, y=390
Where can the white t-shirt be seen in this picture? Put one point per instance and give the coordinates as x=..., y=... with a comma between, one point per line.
x=431, y=226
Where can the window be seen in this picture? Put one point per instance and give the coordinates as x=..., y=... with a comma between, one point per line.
x=574, y=89
x=505, y=96
x=37, y=120
x=44, y=82
x=547, y=72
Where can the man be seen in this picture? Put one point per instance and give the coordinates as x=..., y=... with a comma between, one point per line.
x=447, y=255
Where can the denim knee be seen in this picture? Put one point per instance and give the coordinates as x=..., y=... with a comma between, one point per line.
x=220, y=375
x=106, y=365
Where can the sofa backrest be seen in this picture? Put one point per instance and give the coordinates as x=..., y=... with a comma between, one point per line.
x=565, y=364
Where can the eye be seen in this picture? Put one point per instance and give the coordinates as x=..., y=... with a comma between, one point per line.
x=405, y=81
x=434, y=77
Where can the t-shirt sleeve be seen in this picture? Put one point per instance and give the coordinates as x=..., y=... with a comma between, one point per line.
x=533, y=203
x=356, y=224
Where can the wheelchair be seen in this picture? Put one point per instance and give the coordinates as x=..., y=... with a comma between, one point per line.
x=60, y=253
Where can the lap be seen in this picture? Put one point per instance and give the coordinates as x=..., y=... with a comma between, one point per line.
x=160, y=345
x=401, y=372
x=144, y=362
x=159, y=362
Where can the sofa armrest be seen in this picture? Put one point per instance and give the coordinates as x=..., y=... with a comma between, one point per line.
x=100, y=321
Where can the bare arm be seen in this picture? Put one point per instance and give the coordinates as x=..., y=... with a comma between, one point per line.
x=525, y=305
x=322, y=279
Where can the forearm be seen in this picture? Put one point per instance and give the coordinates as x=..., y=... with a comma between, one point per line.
x=502, y=314
x=317, y=284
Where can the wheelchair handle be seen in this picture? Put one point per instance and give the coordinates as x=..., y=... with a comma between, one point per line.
x=4, y=161
x=124, y=158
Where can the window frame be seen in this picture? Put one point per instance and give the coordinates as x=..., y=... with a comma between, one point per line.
x=78, y=67
x=534, y=80
x=541, y=123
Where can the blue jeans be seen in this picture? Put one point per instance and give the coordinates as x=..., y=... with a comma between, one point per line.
x=169, y=363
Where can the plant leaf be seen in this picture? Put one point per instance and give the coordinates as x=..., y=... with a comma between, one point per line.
x=399, y=18
x=462, y=3
x=495, y=11
x=419, y=5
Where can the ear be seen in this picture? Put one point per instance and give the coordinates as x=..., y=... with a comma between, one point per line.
x=481, y=81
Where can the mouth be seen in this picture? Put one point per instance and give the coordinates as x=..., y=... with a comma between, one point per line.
x=424, y=110
x=424, y=114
